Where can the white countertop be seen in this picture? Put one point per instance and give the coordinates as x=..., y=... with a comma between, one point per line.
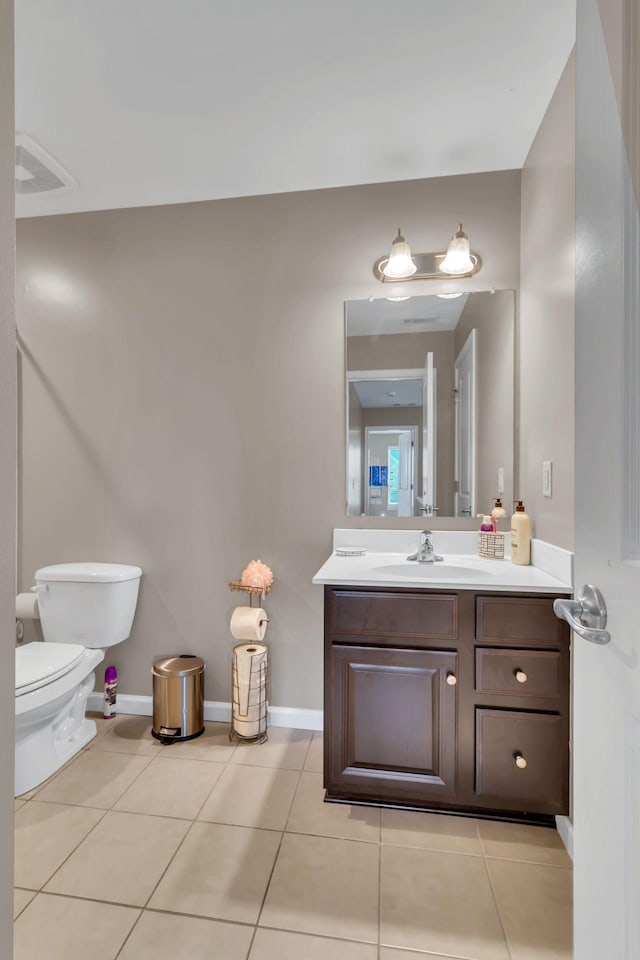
x=460, y=570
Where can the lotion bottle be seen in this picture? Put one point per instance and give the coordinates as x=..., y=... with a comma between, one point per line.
x=520, y=535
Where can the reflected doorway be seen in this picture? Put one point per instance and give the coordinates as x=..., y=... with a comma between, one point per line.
x=390, y=471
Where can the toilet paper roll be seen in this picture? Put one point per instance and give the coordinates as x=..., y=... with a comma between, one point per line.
x=27, y=606
x=249, y=728
x=249, y=678
x=249, y=623
x=249, y=673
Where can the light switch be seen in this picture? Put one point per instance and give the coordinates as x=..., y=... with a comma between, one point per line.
x=500, y=479
x=546, y=478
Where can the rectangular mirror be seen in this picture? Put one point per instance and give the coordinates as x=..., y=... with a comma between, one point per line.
x=430, y=404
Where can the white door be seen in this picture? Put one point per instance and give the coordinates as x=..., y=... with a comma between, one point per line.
x=465, y=429
x=606, y=684
x=429, y=430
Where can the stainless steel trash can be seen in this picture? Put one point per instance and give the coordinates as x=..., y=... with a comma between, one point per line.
x=178, y=698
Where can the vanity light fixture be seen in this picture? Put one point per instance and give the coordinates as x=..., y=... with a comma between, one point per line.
x=449, y=296
x=401, y=265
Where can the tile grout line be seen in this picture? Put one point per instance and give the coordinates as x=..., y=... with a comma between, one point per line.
x=22, y=910
x=275, y=859
x=495, y=900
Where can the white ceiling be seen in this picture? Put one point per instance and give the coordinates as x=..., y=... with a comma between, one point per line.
x=167, y=101
x=428, y=314
x=389, y=393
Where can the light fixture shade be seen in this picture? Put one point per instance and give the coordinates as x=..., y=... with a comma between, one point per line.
x=458, y=260
x=400, y=263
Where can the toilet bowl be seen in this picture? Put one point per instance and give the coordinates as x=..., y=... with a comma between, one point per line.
x=84, y=609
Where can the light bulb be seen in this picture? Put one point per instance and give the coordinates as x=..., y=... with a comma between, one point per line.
x=400, y=263
x=457, y=260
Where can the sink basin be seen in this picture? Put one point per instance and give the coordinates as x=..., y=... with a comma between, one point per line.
x=431, y=571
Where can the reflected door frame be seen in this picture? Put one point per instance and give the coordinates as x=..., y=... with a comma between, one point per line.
x=412, y=431
x=465, y=384
x=356, y=375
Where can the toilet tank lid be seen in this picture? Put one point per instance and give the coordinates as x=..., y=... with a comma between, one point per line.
x=88, y=572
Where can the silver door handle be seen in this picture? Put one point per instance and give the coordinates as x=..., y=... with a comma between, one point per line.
x=466, y=512
x=586, y=615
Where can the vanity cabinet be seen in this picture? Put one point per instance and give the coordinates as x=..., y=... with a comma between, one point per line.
x=451, y=700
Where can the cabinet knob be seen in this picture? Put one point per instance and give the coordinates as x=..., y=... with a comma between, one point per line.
x=452, y=679
x=521, y=676
x=521, y=763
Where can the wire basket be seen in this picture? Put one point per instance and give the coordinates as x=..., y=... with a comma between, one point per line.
x=491, y=546
x=249, y=701
x=258, y=592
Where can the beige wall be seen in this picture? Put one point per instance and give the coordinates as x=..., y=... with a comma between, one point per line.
x=406, y=351
x=7, y=473
x=492, y=315
x=183, y=397
x=547, y=318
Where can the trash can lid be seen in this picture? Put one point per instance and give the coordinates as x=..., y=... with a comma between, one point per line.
x=183, y=665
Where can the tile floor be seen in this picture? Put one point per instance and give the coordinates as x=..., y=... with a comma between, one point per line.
x=209, y=850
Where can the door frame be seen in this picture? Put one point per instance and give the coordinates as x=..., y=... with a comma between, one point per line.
x=470, y=345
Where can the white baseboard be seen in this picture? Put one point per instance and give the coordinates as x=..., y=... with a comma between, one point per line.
x=565, y=829
x=299, y=718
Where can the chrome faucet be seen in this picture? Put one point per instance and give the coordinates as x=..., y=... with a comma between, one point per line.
x=425, y=552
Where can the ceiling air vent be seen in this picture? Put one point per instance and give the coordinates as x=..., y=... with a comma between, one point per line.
x=412, y=321
x=37, y=171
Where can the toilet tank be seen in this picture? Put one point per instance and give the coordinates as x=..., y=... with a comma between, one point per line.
x=88, y=603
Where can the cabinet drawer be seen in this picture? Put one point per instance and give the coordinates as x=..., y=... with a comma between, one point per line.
x=521, y=758
x=528, y=620
x=403, y=616
x=520, y=673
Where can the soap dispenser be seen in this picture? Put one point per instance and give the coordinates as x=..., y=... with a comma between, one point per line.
x=498, y=512
x=520, y=535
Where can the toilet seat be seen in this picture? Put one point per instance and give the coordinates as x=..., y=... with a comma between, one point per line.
x=38, y=664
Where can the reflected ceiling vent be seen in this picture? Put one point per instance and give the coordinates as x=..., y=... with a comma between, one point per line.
x=37, y=171
x=415, y=320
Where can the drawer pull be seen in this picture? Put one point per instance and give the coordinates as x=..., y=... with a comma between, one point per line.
x=521, y=676
x=521, y=763
x=452, y=679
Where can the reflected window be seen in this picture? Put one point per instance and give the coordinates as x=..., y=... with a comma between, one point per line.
x=393, y=465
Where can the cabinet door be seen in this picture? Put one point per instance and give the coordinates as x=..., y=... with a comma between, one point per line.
x=392, y=724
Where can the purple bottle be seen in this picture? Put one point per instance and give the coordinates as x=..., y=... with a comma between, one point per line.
x=110, y=687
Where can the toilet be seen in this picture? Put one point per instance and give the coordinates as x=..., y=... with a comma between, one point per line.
x=84, y=608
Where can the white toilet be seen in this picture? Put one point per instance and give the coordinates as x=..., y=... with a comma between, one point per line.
x=84, y=608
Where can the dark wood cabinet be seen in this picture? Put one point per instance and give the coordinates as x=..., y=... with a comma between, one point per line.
x=446, y=700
